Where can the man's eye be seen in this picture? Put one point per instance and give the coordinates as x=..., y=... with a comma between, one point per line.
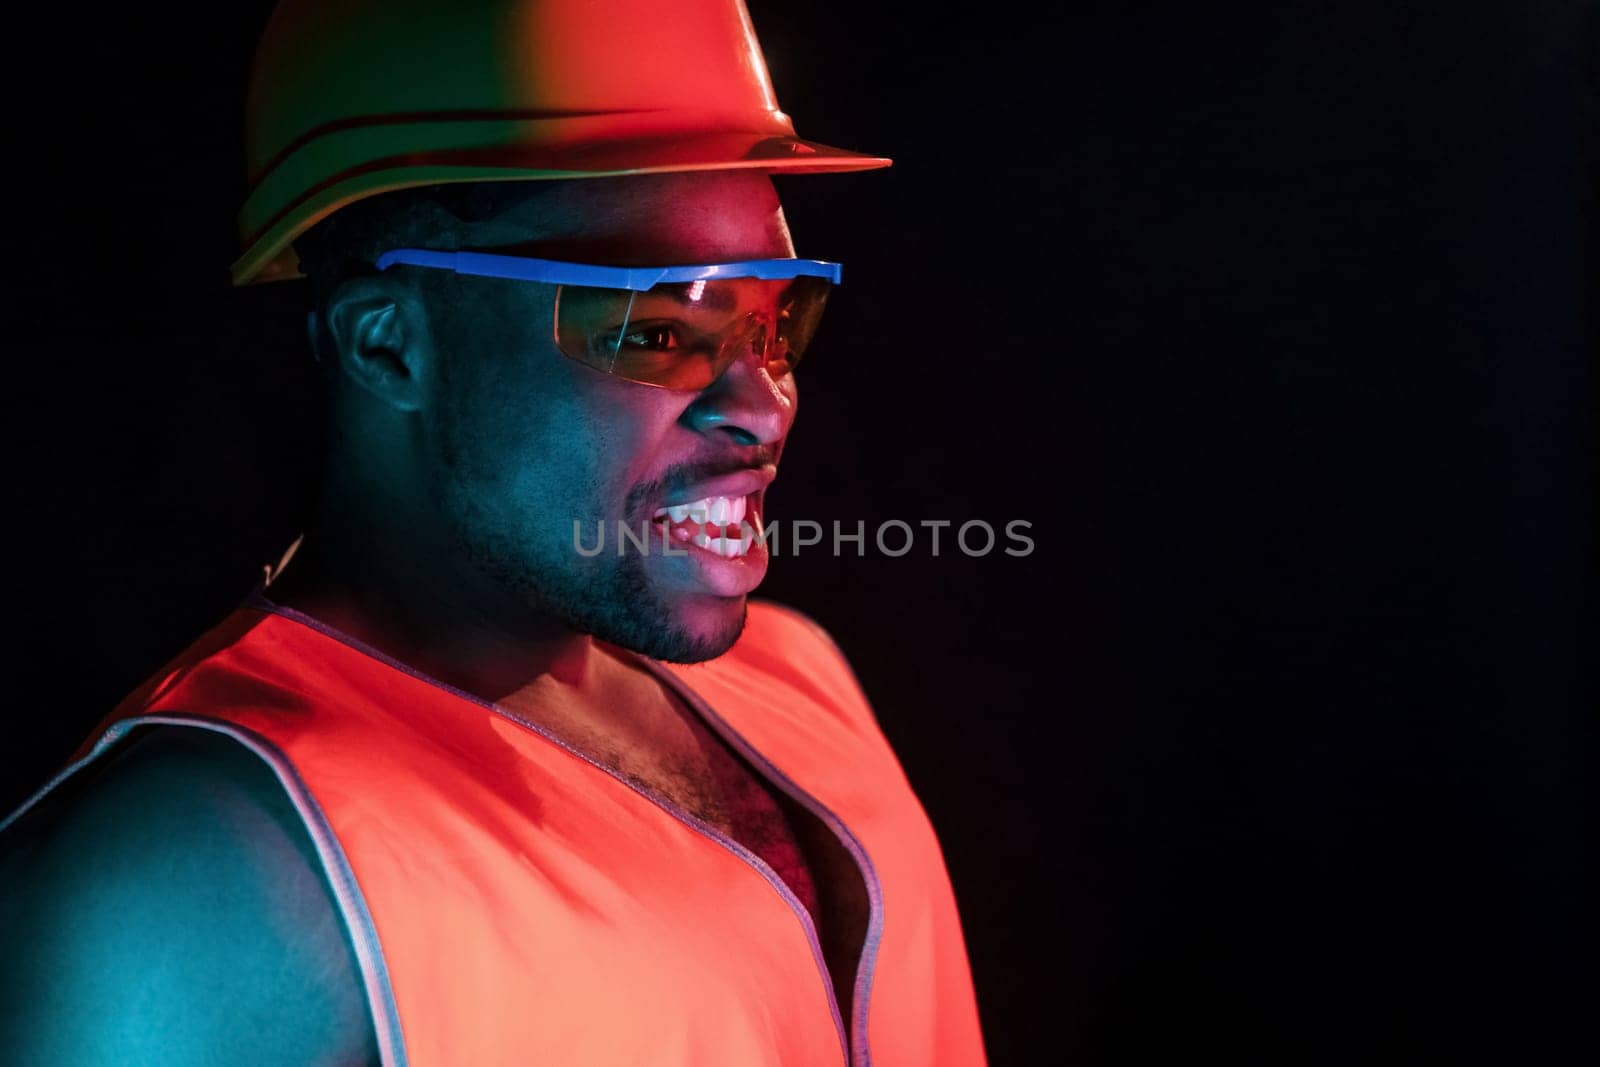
x=656, y=338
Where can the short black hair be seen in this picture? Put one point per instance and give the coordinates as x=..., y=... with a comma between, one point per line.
x=347, y=243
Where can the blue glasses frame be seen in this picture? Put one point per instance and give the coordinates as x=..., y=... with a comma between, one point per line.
x=636, y=279
x=640, y=367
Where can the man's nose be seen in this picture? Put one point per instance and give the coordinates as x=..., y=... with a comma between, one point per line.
x=746, y=402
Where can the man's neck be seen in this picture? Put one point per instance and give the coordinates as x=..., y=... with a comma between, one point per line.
x=421, y=624
x=590, y=693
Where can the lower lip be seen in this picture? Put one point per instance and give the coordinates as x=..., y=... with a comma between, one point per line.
x=715, y=572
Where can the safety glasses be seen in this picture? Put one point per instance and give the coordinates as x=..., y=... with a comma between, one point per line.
x=672, y=327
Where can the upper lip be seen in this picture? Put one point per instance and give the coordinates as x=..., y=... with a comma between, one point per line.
x=739, y=483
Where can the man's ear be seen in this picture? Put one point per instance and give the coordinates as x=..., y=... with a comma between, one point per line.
x=379, y=340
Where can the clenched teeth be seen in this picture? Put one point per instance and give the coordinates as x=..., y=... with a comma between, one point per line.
x=726, y=512
x=728, y=547
x=717, y=510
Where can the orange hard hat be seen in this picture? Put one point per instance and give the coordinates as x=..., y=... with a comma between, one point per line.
x=348, y=100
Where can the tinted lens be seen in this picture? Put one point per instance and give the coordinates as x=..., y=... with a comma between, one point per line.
x=683, y=335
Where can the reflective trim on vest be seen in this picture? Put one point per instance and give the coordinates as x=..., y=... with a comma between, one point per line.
x=335, y=867
x=861, y=998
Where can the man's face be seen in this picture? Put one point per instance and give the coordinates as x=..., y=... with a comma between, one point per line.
x=523, y=441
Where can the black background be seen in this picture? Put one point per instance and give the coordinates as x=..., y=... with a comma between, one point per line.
x=1271, y=318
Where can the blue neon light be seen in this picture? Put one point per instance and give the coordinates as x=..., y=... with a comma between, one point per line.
x=638, y=279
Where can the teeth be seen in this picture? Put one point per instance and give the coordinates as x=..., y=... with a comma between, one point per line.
x=717, y=510
x=728, y=547
x=727, y=512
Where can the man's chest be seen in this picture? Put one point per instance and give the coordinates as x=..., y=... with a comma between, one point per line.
x=637, y=728
x=698, y=771
x=668, y=751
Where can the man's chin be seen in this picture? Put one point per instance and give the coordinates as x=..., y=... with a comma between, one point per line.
x=670, y=625
x=650, y=609
x=696, y=628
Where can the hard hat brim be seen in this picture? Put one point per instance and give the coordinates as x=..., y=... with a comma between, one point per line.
x=269, y=255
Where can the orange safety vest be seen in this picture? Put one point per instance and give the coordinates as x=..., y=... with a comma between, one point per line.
x=512, y=901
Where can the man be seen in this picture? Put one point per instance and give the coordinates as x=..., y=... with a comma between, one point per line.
x=450, y=786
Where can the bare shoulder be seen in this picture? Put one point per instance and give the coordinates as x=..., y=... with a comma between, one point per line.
x=167, y=905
